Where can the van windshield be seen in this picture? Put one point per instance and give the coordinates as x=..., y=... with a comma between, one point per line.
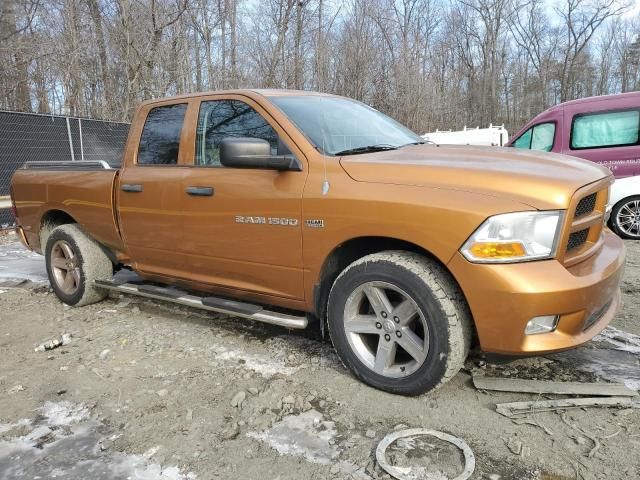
x=340, y=126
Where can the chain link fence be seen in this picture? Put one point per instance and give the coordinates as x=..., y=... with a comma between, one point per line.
x=34, y=137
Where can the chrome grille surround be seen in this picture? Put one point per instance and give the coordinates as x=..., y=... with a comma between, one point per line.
x=583, y=232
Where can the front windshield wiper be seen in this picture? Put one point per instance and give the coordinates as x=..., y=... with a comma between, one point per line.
x=414, y=143
x=367, y=149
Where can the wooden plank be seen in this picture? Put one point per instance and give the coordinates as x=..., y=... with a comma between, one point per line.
x=560, y=388
x=519, y=409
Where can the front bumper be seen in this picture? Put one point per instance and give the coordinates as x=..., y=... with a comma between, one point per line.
x=503, y=298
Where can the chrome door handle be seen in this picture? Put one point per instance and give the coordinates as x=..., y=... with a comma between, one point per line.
x=200, y=191
x=131, y=187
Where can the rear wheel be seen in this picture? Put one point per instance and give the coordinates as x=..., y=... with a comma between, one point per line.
x=625, y=218
x=399, y=322
x=74, y=261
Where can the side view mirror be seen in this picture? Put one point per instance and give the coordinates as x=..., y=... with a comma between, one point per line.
x=247, y=152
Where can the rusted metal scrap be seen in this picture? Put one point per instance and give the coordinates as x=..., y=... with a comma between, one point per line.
x=406, y=473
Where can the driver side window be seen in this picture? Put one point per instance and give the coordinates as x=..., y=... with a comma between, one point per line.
x=228, y=118
x=539, y=137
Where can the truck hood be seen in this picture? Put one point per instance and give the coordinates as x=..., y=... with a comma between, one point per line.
x=540, y=180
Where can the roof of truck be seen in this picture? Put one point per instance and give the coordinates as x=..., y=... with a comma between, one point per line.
x=243, y=91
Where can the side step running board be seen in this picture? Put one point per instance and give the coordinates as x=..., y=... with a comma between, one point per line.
x=214, y=304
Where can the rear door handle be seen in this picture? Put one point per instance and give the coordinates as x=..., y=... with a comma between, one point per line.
x=200, y=191
x=131, y=187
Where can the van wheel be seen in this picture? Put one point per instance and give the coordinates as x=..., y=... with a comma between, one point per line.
x=399, y=322
x=74, y=260
x=625, y=218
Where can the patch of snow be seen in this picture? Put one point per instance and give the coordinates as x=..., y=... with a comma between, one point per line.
x=306, y=435
x=612, y=365
x=262, y=364
x=138, y=467
x=151, y=452
x=64, y=413
x=48, y=451
x=6, y=427
x=16, y=262
x=621, y=340
x=632, y=384
x=310, y=436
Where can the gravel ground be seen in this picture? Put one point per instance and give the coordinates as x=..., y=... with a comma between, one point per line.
x=148, y=390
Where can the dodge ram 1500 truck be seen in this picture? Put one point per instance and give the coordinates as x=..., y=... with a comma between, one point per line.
x=286, y=206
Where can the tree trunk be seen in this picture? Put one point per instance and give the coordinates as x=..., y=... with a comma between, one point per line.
x=96, y=18
x=233, y=41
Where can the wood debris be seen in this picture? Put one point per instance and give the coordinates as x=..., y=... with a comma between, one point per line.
x=519, y=409
x=560, y=388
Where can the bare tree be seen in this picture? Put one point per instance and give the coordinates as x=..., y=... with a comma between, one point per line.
x=581, y=20
x=427, y=63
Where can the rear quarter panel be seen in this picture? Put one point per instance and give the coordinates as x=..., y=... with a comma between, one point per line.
x=87, y=196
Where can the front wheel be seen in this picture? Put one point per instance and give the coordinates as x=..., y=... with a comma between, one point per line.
x=399, y=322
x=625, y=218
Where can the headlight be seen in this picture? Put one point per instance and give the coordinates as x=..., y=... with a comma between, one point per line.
x=515, y=237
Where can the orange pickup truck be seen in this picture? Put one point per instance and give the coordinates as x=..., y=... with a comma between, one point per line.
x=287, y=207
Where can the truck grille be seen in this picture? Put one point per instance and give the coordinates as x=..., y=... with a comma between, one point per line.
x=586, y=205
x=586, y=224
x=577, y=239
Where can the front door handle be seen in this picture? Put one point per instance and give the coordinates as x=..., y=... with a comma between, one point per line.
x=131, y=187
x=200, y=191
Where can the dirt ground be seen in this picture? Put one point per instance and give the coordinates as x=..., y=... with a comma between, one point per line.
x=147, y=390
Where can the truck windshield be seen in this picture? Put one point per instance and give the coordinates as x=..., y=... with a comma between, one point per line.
x=340, y=126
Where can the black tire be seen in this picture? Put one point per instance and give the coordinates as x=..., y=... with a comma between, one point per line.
x=89, y=262
x=437, y=297
x=615, y=220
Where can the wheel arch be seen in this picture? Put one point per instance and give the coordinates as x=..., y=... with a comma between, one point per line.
x=353, y=249
x=626, y=198
x=49, y=220
x=54, y=218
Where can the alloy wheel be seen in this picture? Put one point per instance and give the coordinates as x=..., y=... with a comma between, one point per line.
x=386, y=329
x=64, y=265
x=628, y=218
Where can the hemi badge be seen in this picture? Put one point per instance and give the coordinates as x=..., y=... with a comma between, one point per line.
x=315, y=223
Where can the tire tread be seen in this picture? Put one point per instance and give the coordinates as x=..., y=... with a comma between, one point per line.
x=446, y=292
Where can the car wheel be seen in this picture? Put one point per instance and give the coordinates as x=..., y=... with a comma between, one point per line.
x=74, y=261
x=399, y=322
x=625, y=218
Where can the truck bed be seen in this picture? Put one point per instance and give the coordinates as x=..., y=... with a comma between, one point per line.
x=83, y=190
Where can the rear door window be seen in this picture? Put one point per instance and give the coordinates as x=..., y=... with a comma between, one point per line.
x=160, y=140
x=539, y=137
x=608, y=129
x=228, y=118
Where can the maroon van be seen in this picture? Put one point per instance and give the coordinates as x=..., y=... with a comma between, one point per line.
x=605, y=130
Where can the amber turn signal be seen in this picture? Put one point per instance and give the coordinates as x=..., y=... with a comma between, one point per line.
x=496, y=250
